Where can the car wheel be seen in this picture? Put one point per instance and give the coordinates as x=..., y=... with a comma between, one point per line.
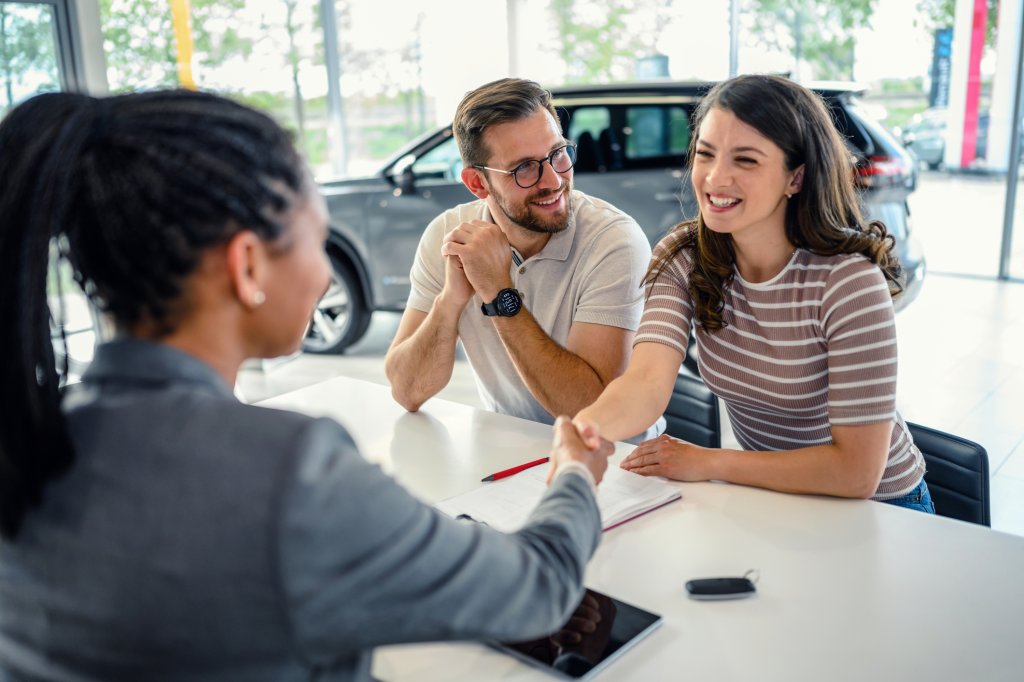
x=934, y=165
x=341, y=317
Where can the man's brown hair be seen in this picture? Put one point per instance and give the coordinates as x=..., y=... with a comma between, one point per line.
x=501, y=101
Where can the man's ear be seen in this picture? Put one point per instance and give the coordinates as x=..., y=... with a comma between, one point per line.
x=473, y=179
x=246, y=258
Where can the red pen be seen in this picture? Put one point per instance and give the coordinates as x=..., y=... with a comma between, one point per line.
x=513, y=470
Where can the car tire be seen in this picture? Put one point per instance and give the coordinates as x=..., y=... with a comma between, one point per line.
x=341, y=317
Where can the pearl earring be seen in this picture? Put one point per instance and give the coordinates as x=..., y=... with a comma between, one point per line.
x=259, y=298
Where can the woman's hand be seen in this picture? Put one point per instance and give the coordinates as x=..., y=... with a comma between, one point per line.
x=568, y=446
x=589, y=432
x=669, y=457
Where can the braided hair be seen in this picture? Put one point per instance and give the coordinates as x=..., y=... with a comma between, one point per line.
x=132, y=190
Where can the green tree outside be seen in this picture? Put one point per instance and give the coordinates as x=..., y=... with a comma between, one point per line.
x=28, y=63
x=816, y=32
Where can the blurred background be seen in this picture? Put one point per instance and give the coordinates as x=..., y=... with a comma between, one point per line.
x=357, y=81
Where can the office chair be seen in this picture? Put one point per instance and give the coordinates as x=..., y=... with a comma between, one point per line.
x=692, y=413
x=957, y=474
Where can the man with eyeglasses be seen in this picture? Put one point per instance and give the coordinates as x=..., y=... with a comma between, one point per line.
x=542, y=283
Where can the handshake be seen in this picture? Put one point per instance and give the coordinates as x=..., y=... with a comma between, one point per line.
x=576, y=442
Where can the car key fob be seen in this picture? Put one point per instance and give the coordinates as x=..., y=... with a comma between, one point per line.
x=720, y=588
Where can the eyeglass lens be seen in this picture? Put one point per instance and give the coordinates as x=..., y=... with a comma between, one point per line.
x=561, y=160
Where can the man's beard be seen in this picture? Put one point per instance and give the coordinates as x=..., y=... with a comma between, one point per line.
x=523, y=216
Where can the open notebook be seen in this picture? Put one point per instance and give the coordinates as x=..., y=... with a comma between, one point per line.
x=506, y=504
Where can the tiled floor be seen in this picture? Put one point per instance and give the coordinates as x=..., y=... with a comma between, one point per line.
x=961, y=370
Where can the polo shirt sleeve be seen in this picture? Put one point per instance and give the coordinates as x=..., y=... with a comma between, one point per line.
x=612, y=286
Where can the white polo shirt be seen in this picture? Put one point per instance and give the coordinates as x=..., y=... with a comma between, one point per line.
x=591, y=272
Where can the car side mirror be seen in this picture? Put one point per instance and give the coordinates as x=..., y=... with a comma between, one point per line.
x=407, y=181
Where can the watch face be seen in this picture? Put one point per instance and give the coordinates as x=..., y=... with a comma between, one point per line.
x=508, y=302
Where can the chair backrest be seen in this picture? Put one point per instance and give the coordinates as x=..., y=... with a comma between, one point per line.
x=692, y=413
x=957, y=474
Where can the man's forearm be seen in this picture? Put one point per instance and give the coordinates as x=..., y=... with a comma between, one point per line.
x=419, y=366
x=561, y=381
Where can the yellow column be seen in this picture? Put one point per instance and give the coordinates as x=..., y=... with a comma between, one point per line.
x=180, y=11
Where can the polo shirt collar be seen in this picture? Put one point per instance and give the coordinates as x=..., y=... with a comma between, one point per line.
x=559, y=246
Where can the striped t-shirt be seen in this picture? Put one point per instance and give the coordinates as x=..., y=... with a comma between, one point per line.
x=811, y=347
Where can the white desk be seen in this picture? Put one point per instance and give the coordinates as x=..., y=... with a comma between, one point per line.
x=849, y=590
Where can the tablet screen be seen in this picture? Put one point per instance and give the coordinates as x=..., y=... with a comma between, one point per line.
x=600, y=629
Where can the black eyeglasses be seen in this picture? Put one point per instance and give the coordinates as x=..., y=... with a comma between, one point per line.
x=528, y=173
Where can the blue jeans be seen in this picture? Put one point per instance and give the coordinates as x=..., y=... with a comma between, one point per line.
x=918, y=499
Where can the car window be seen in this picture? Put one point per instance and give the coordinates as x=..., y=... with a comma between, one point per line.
x=878, y=139
x=849, y=123
x=656, y=131
x=625, y=136
x=442, y=163
x=589, y=119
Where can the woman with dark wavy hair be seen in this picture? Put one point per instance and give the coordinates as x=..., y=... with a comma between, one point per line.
x=789, y=292
x=151, y=525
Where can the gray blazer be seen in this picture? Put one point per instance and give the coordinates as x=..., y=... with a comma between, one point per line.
x=198, y=538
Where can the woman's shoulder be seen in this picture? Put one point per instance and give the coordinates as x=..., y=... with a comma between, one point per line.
x=844, y=260
x=677, y=247
x=289, y=428
x=833, y=269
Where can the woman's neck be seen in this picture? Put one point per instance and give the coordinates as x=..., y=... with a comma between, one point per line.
x=762, y=257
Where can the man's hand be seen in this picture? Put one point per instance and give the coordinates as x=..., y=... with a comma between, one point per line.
x=568, y=446
x=670, y=457
x=457, y=288
x=485, y=255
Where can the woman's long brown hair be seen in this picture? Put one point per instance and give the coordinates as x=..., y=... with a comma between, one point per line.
x=824, y=217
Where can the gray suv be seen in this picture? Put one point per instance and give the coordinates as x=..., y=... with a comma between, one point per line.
x=631, y=142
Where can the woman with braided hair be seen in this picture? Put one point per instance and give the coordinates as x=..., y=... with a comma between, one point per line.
x=153, y=527
x=789, y=292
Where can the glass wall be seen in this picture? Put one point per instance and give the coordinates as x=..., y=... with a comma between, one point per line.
x=1017, y=237
x=28, y=52
x=405, y=64
x=35, y=54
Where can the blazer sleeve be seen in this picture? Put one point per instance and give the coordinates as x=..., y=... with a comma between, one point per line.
x=364, y=563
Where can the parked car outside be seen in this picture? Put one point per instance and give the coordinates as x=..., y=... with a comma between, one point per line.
x=925, y=137
x=632, y=142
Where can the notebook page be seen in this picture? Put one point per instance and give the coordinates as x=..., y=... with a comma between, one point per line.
x=506, y=504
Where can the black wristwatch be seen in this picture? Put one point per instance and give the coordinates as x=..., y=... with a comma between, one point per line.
x=507, y=304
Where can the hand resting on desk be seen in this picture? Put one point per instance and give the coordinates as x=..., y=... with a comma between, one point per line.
x=669, y=457
x=568, y=446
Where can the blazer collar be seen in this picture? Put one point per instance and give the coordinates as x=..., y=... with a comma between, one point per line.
x=145, y=362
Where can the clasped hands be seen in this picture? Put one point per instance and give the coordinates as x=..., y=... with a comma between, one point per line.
x=477, y=260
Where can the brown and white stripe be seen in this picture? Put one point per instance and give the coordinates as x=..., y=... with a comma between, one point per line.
x=812, y=347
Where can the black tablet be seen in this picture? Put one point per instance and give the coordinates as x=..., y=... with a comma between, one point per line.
x=597, y=633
